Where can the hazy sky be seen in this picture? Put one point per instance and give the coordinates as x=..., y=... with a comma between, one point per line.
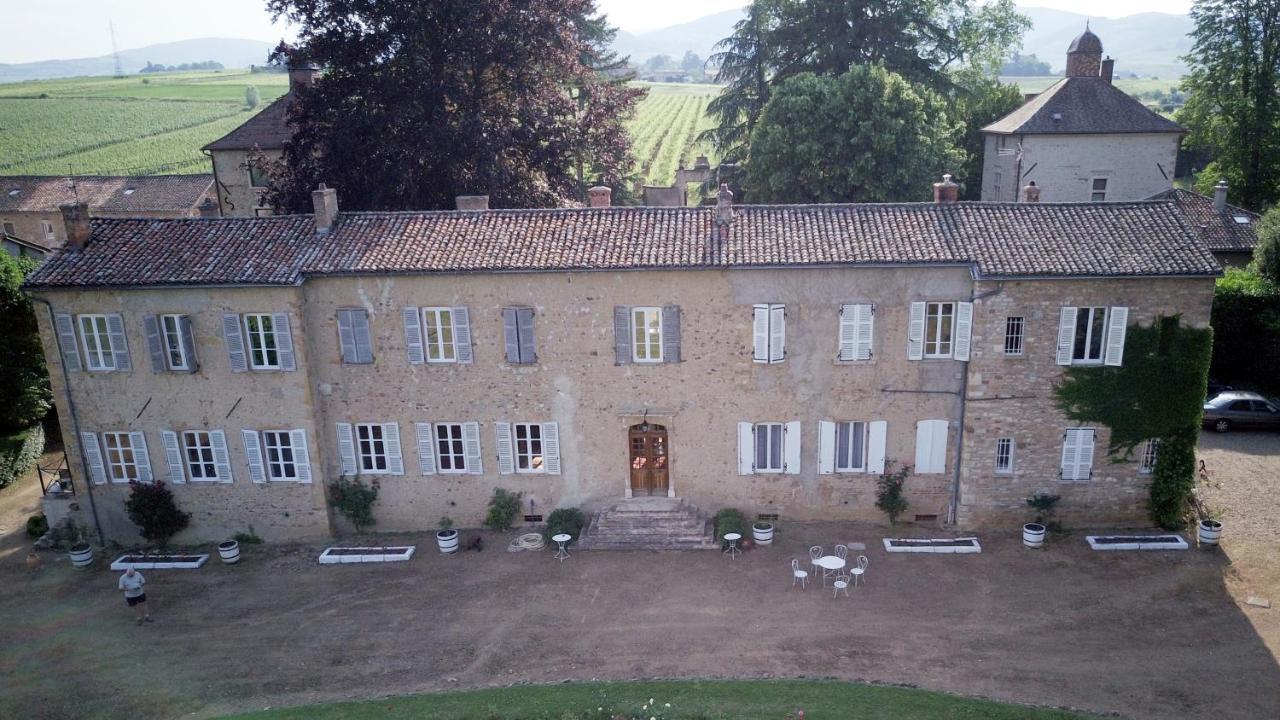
x=47, y=29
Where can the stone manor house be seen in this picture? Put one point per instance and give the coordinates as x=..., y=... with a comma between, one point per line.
x=770, y=358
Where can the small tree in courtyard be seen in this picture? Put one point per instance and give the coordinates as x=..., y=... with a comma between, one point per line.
x=889, y=491
x=151, y=507
x=354, y=500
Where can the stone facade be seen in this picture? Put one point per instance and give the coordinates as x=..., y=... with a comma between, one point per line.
x=237, y=196
x=1136, y=166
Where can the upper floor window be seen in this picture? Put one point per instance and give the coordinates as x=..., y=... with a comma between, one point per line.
x=172, y=334
x=9, y=228
x=437, y=323
x=769, y=333
x=1092, y=335
x=1013, y=331
x=646, y=341
x=939, y=325
x=264, y=351
x=259, y=341
x=437, y=334
x=280, y=455
x=939, y=330
x=49, y=235
x=1091, y=328
x=258, y=177
x=517, y=331
x=646, y=334
x=1098, y=190
x=95, y=337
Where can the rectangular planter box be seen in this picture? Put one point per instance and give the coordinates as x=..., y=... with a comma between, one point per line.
x=937, y=546
x=346, y=555
x=159, y=562
x=1137, y=542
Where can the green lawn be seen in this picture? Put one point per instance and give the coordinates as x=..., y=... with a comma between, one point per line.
x=704, y=700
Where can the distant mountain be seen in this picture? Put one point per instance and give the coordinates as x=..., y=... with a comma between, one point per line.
x=697, y=35
x=231, y=52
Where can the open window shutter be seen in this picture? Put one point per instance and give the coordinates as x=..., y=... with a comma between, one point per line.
x=511, y=334
x=413, y=335
x=864, y=318
x=528, y=347
x=1117, y=322
x=462, y=334
x=877, y=434
x=221, y=458
x=777, y=333
x=235, y=343
x=188, y=340
x=848, y=335
x=671, y=334
x=746, y=448
x=1084, y=460
x=506, y=455
x=426, y=448
x=1066, y=334
x=346, y=449
x=301, y=455
x=395, y=457
x=915, y=332
x=938, y=446
x=924, y=439
x=964, y=330
x=826, y=447
x=347, y=336
x=471, y=447
x=363, y=336
x=151, y=324
x=622, y=334
x=760, y=334
x=92, y=456
x=173, y=456
x=284, y=341
x=119, y=343
x=551, y=448
x=141, y=456
x=1070, y=453
x=65, y=328
x=253, y=455
x=791, y=449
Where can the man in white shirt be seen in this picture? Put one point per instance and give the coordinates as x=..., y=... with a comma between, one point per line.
x=131, y=583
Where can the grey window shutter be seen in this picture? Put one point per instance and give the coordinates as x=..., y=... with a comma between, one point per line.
x=426, y=448
x=119, y=343
x=141, y=457
x=151, y=324
x=413, y=335
x=622, y=334
x=347, y=449
x=363, y=336
x=253, y=455
x=511, y=335
x=462, y=334
x=506, y=454
x=66, y=330
x=347, y=336
x=301, y=455
x=91, y=452
x=173, y=456
x=395, y=458
x=471, y=447
x=235, y=343
x=671, y=334
x=188, y=342
x=284, y=341
x=551, y=448
x=528, y=348
x=221, y=458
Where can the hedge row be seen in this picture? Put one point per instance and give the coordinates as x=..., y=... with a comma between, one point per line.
x=1246, y=340
x=19, y=460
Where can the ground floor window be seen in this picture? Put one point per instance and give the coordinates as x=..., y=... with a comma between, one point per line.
x=450, y=450
x=122, y=456
x=1004, y=455
x=768, y=447
x=199, y=449
x=851, y=446
x=529, y=457
x=1147, y=463
x=281, y=464
x=371, y=448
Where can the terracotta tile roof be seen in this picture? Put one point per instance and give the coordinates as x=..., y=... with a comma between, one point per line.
x=1221, y=231
x=1082, y=105
x=104, y=193
x=268, y=130
x=996, y=239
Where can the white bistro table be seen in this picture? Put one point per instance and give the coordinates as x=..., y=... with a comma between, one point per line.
x=732, y=540
x=829, y=564
x=560, y=540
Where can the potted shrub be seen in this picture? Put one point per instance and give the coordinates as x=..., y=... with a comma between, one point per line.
x=1033, y=532
x=1208, y=517
x=729, y=520
x=447, y=537
x=762, y=532
x=567, y=521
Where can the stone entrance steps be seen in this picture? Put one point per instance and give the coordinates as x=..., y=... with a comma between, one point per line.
x=650, y=524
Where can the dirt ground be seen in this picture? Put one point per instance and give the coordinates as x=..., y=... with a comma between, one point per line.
x=1142, y=635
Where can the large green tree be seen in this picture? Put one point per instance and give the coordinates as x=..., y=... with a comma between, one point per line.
x=1233, y=110
x=24, y=382
x=424, y=100
x=867, y=135
x=978, y=100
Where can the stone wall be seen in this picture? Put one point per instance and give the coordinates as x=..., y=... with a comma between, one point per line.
x=1063, y=166
x=236, y=197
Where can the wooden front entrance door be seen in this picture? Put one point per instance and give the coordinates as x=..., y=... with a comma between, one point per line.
x=650, y=459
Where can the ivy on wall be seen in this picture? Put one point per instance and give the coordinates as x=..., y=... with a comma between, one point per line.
x=1157, y=394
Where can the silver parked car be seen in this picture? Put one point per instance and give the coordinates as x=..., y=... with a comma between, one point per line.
x=1243, y=410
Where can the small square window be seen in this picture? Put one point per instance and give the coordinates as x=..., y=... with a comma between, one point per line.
x=1013, y=328
x=1099, y=190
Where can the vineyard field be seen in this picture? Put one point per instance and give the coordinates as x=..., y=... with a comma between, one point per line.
x=665, y=128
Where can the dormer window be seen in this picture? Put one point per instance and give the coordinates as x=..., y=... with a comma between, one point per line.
x=1241, y=219
x=1057, y=116
x=15, y=192
x=129, y=191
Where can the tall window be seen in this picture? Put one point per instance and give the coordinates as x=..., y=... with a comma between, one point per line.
x=529, y=457
x=1148, y=462
x=263, y=351
x=939, y=323
x=1091, y=329
x=280, y=455
x=769, y=447
x=371, y=448
x=9, y=229
x=646, y=341
x=437, y=322
x=1004, y=455
x=851, y=446
x=97, y=342
x=1013, y=329
x=258, y=177
x=171, y=332
x=47, y=226
x=199, y=450
x=451, y=455
x=1098, y=190
x=122, y=460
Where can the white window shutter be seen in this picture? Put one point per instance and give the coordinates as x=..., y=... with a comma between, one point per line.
x=760, y=334
x=777, y=333
x=151, y=326
x=1084, y=461
x=826, y=447
x=924, y=438
x=141, y=456
x=551, y=448
x=253, y=455
x=221, y=458
x=395, y=457
x=426, y=448
x=1117, y=323
x=671, y=334
x=746, y=448
x=864, y=321
x=173, y=456
x=66, y=331
x=877, y=435
x=462, y=334
x=284, y=342
x=413, y=335
x=964, y=330
x=915, y=332
x=301, y=455
x=471, y=447
x=92, y=456
x=938, y=446
x=1070, y=453
x=119, y=343
x=506, y=454
x=234, y=339
x=1066, y=334
x=848, y=335
x=622, y=335
x=346, y=449
x=791, y=449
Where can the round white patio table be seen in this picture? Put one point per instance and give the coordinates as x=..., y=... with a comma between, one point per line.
x=560, y=540
x=732, y=539
x=829, y=564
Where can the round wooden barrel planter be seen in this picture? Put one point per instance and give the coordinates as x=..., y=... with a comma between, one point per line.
x=82, y=555
x=1033, y=535
x=1210, y=532
x=448, y=541
x=762, y=532
x=230, y=552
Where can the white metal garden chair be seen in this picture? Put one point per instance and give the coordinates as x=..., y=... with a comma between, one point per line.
x=859, y=572
x=815, y=552
x=841, y=584
x=797, y=574
x=842, y=552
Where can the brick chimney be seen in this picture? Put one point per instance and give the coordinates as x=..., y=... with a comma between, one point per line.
x=600, y=196
x=302, y=73
x=946, y=191
x=1031, y=193
x=724, y=205
x=1219, y=197
x=1108, y=69
x=75, y=219
x=325, y=202
x=472, y=202
x=208, y=208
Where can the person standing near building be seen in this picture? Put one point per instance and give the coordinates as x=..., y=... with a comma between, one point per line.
x=131, y=583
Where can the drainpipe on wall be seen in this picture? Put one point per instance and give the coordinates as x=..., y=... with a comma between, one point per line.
x=75, y=424
x=954, y=505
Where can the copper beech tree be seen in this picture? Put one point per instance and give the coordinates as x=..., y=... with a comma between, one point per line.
x=424, y=100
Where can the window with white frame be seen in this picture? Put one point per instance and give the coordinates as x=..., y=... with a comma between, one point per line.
x=1090, y=335
x=198, y=447
x=769, y=447
x=451, y=455
x=96, y=339
x=851, y=446
x=281, y=461
x=122, y=457
x=939, y=325
x=1013, y=331
x=9, y=228
x=1004, y=455
x=769, y=333
x=175, y=354
x=371, y=448
x=1098, y=190
x=437, y=325
x=646, y=339
x=264, y=351
x=528, y=437
x=1147, y=463
x=49, y=235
